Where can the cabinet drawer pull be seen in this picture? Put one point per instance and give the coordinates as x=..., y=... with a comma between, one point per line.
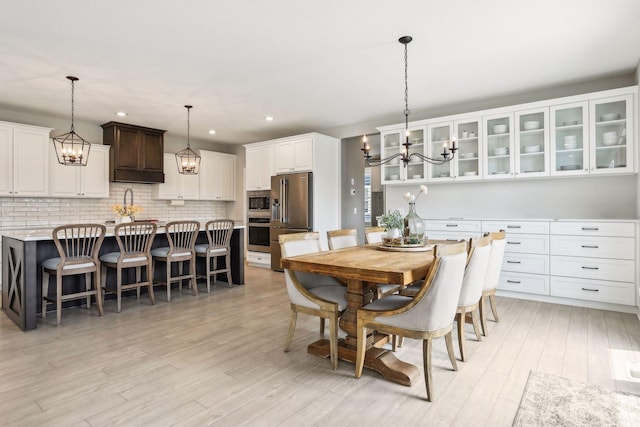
x=514, y=281
x=590, y=229
x=514, y=243
x=590, y=246
x=452, y=225
x=514, y=226
x=590, y=290
x=589, y=268
x=514, y=262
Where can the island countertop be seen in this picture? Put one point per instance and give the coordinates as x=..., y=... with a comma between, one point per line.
x=46, y=233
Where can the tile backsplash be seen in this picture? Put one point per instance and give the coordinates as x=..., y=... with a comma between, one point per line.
x=45, y=212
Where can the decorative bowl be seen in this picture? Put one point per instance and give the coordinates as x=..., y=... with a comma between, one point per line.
x=531, y=125
x=570, y=138
x=499, y=129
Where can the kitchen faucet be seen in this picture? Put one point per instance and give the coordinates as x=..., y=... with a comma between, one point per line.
x=124, y=201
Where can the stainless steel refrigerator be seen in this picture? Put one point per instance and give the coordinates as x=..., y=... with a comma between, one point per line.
x=291, y=209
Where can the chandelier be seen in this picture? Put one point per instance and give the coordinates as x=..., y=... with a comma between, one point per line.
x=405, y=155
x=187, y=159
x=71, y=148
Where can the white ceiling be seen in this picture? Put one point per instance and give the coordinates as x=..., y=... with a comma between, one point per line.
x=315, y=65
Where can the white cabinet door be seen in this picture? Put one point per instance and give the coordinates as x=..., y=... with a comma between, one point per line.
x=531, y=153
x=468, y=166
x=259, y=168
x=6, y=161
x=498, y=148
x=217, y=176
x=438, y=137
x=611, y=121
x=176, y=185
x=94, y=178
x=389, y=145
x=569, y=139
x=226, y=178
x=91, y=181
x=294, y=156
x=31, y=157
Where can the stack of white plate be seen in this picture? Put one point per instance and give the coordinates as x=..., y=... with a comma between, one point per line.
x=499, y=128
x=531, y=125
x=532, y=149
x=610, y=138
x=500, y=151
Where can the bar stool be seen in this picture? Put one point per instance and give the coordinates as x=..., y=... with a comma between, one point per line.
x=219, y=237
x=78, y=246
x=134, y=244
x=181, y=236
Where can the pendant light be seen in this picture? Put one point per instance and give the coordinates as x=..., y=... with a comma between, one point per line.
x=71, y=148
x=406, y=155
x=187, y=159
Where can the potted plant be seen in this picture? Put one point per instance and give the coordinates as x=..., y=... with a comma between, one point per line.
x=393, y=222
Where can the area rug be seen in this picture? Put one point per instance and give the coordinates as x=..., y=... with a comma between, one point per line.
x=549, y=400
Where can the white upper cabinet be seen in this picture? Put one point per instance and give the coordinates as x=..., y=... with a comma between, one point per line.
x=392, y=143
x=217, y=176
x=438, y=137
x=499, y=143
x=259, y=167
x=569, y=139
x=90, y=181
x=295, y=155
x=176, y=185
x=611, y=127
x=467, y=161
x=24, y=165
x=531, y=152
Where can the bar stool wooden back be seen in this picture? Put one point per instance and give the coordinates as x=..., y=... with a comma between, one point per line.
x=181, y=236
x=219, y=236
x=78, y=247
x=134, y=243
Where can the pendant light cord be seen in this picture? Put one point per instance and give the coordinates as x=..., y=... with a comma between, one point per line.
x=72, y=106
x=406, y=90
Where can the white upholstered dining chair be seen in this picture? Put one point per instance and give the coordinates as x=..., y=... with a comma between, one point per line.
x=339, y=239
x=310, y=293
x=498, y=243
x=374, y=234
x=471, y=291
x=429, y=315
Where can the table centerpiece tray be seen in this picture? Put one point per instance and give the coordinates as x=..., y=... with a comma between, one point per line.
x=398, y=245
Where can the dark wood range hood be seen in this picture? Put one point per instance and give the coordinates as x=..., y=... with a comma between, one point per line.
x=137, y=153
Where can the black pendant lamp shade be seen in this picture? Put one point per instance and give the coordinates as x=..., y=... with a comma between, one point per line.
x=71, y=148
x=188, y=160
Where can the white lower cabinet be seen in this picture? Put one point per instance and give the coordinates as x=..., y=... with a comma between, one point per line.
x=524, y=282
x=594, y=261
x=453, y=229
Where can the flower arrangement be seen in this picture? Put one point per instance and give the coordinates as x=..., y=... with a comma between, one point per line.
x=131, y=210
x=411, y=198
x=392, y=219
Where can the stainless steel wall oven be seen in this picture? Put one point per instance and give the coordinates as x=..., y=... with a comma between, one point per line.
x=259, y=221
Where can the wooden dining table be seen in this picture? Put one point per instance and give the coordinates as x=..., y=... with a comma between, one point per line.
x=361, y=268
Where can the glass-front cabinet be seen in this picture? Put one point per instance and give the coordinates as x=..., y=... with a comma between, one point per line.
x=569, y=139
x=498, y=137
x=439, y=137
x=395, y=171
x=468, y=165
x=531, y=152
x=611, y=121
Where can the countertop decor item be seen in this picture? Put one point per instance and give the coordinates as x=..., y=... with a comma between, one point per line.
x=393, y=222
x=405, y=155
x=187, y=159
x=413, y=224
x=71, y=148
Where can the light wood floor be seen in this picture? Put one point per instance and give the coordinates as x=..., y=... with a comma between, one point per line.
x=217, y=359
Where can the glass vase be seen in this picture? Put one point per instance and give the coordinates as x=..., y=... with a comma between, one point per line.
x=413, y=226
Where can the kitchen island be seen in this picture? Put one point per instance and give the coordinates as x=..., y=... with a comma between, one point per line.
x=24, y=250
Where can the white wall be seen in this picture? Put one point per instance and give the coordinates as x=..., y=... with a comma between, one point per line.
x=551, y=198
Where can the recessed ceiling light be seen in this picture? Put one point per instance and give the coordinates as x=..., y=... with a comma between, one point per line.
x=212, y=132
x=269, y=118
x=121, y=114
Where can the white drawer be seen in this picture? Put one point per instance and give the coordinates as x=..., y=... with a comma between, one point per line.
x=522, y=282
x=452, y=235
x=586, y=228
x=618, y=270
x=454, y=225
x=530, y=244
x=524, y=227
x=594, y=246
x=593, y=290
x=259, y=258
x=526, y=263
